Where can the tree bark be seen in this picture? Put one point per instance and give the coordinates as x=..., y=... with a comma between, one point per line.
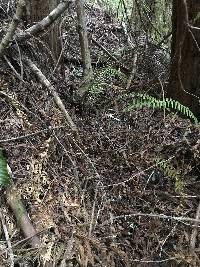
x=184, y=82
x=36, y=11
x=85, y=51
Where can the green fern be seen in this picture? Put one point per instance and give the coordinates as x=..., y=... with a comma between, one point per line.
x=5, y=179
x=170, y=171
x=144, y=100
x=104, y=78
x=112, y=72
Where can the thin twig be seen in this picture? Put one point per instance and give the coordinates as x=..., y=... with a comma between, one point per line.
x=152, y=215
x=132, y=75
x=43, y=80
x=14, y=70
x=10, y=249
x=25, y=240
x=158, y=261
x=32, y=134
x=10, y=98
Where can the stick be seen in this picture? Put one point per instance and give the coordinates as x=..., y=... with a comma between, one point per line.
x=160, y=216
x=43, y=80
x=21, y=215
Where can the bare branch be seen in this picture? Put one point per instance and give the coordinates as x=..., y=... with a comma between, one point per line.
x=22, y=217
x=13, y=26
x=43, y=24
x=43, y=80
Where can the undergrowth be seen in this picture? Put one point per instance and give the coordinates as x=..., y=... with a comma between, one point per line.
x=144, y=100
x=104, y=79
x=171, y=172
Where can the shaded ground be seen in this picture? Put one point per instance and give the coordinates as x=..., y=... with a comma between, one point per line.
x=103, y=200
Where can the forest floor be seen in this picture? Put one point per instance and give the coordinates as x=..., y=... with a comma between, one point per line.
x=126, y=192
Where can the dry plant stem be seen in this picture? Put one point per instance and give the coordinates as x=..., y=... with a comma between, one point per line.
x=43, y=24
x=43, y=80
x=13, y=26
x=195, y=231
x=10, y=250
x=21, y=215
x=158, y=261
x=153, y=215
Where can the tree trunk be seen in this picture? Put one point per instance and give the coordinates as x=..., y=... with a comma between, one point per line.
x=85, y=51
x=184, y=82
x=36, y=11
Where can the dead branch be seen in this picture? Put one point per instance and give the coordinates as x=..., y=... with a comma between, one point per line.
x=21, y=215
x=43, y=80
x=134, y=175
x=43, y=24
x=16, y=205
x=13, y=26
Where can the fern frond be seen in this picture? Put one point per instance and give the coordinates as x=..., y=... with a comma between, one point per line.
x=170, y=171
x=5, y=179
x=103, y=79
x=145, y=100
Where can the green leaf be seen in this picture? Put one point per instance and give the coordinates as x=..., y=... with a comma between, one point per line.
x=5, y=179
